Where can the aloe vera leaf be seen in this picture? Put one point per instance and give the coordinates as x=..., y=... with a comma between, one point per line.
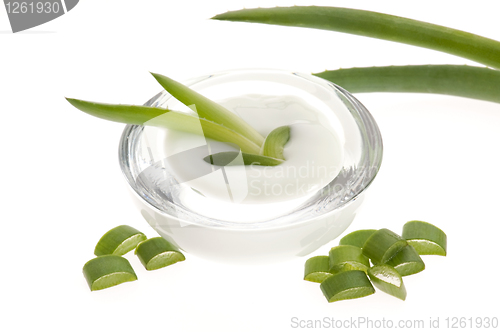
x=346, y=285
x=456, y=80
x=376, y=25
x=225, y=158
x=346, y=258
x=407, y=261
x=107, y=271
x=388, y=280
x=426, y=238
x=157, y=252
x=275, y=141
x=357, y=238
x=382, y=245
x=160, y=117
x=118, y=241
x=316, y=269
x=208, y=109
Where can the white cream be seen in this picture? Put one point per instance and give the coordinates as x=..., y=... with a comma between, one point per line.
x=313, y=156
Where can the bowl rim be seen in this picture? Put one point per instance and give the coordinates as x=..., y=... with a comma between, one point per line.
x=372, y=141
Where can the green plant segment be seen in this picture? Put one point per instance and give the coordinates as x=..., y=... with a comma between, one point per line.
x=346, y=258
x=208, y=109
x=392, y=258
x=376, y=25
x=456, y=80
x=426, y=238
x=157, y=252
x=388, y=280
x=275, y=143
x=346, y=285
x=107, y=271
x=119, y=241
x=317, y=269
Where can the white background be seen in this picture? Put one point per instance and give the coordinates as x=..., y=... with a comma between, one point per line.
x=62, y=187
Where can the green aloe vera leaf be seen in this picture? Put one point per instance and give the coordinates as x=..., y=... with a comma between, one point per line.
x=426, y=238
x=227, y=158
x=157, y=252
x=316, y=269
x=346, y=285
x=346, y=258
x=154, y=116
x=119, y=241
x=455, y=80
x=107, y=271
x=388, y=280
x=357, y=238
x=376, y=25
x=208, y=109
x=274, y=143
x=407, y=261
x=382, y=245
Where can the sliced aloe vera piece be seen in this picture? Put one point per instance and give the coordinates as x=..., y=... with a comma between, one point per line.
x=357, y=238
x=208, y=109
x=119, y=241
x=426, y=238
x=346, y=258
x=107, y=271
x=388, y=280
x=157, y=252
x=382, y=245
x=346, y=285
x=407, y=261
x=316, y=269
x=274, y=143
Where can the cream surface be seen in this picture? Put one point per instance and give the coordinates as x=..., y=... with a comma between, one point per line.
x=313, y=155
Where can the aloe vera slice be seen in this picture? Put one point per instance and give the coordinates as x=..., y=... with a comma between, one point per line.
x=346, y=285
x=160, y=117
x=376, y=25
x=346, y=258
x=382, y=245
x=225, y=158
x=316, y=269
x=274, y=143
x=208, y=109
x=157, y=252
x=107, y=271
x=119, y=241
x=407, y=261
x=456, y=80
x=426, y=238
x=388, y=280
x=357, y=238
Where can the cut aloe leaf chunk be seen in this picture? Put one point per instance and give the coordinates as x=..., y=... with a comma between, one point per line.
x=382, y=245
x=346, y=285
x=157, y=252
x=107, y=271
x=407, y=261
x=357, y=238
x=119, y=241
x=426, y=238
x=227, y=158
x=388, y=280
x=316, y=269
x=347, y=258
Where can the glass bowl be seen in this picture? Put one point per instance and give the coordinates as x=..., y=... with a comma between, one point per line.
x=256, y=233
